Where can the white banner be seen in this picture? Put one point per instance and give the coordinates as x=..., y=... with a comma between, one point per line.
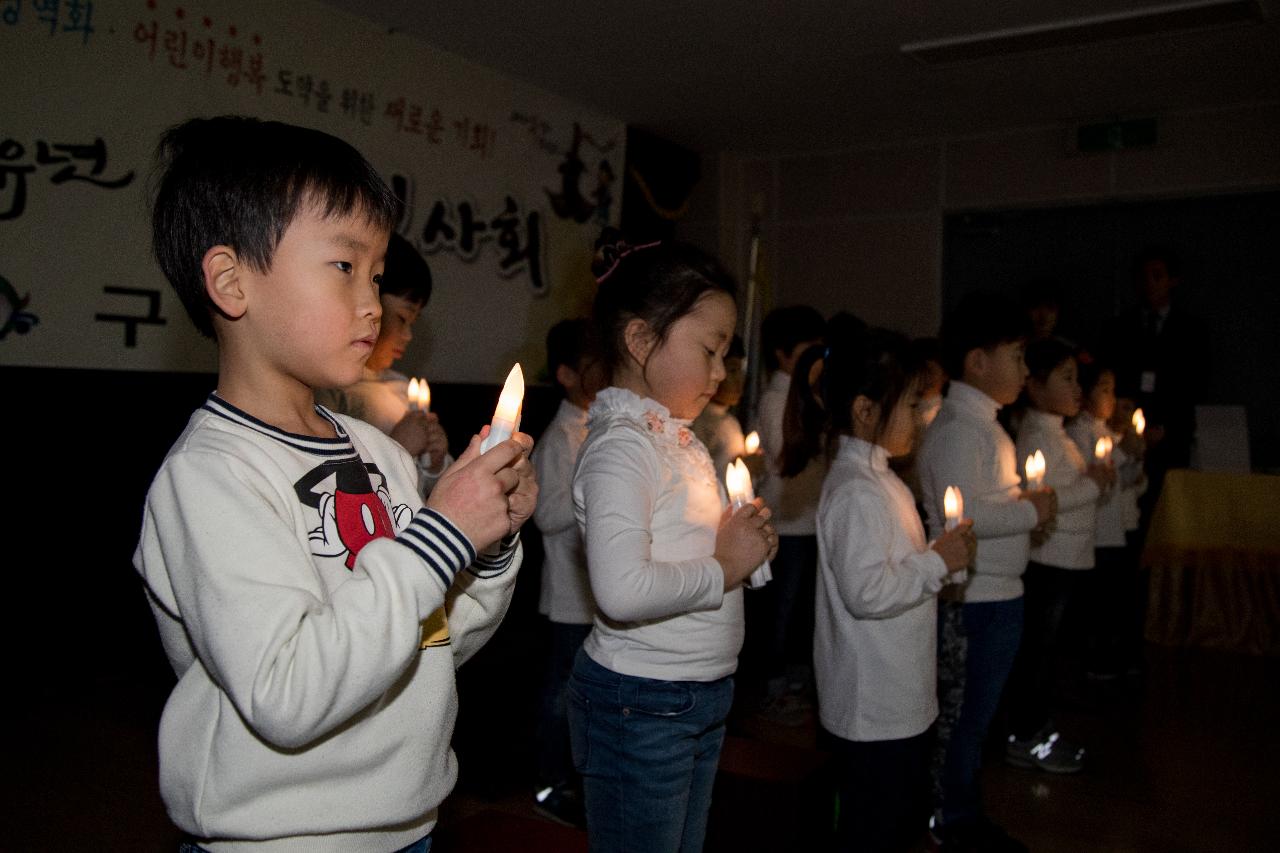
x=506, y=186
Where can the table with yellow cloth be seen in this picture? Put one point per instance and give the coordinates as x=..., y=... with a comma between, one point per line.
x=1213, y=550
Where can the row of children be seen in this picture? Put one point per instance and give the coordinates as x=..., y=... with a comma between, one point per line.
x=315, y=608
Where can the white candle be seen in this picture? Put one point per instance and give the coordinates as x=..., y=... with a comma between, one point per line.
x=753, y=443
x=1035, y=471
x=506, y=418
x=1102, y=450
x=953, y=507
x=1139, y=421
x=737, y=480
x=419, y=395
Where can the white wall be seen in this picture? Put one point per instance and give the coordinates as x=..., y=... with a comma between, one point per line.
x=861, y=230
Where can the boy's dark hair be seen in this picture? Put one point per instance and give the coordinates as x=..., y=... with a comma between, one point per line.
x=239, y=181
x=878, y=364
x=1045, y=355
x=405, y=273
x=567, y=343
x=658, y=283
x=788, y=327
x=982, y=320
x=1165, y=254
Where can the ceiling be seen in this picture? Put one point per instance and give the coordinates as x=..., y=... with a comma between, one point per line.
x=765, y=76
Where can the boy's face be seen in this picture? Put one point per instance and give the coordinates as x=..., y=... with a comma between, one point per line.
x=313, y=318
x=1102, y=399
x=900, y=431
x=730, y=390
x=998, y=372
x=1059, y=393
x=398, y=316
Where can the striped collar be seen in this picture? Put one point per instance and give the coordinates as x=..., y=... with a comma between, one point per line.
x=327, y=447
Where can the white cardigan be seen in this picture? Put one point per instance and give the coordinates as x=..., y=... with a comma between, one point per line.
x=649, y=504
x=875, y=633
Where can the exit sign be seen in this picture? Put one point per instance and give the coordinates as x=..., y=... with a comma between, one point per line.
x=1115, y=135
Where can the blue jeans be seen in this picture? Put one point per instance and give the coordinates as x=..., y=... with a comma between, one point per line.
x=555, y=766
x=993, y=630
x=647, y=751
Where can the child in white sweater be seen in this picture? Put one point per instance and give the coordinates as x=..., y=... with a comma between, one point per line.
x=666, y=556
x=1059, y=558
x=312, y=607
x=878, y=580
x=1112, y=585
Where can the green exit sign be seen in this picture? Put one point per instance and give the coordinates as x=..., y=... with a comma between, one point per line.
x=1115, y=135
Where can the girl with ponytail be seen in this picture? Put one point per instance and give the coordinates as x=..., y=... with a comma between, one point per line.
x=878, y=578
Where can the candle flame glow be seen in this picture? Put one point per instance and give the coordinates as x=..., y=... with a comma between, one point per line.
x=733, y=481
x=413, y=393
x=1035, y=470
x=752, y=442
x=953, y=504
x=1102, y=449
x=511, y=400
x=1139, y=421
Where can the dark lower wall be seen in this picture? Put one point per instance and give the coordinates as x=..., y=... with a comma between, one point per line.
x=80, y=448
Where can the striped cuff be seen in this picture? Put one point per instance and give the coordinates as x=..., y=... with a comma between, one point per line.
x=490, y=566
x=443, y=547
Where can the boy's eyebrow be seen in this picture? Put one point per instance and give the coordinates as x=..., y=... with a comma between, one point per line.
x=346, y=241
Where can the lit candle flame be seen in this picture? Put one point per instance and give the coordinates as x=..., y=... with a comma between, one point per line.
x=753, y=442
x=506, y=418
x=1139, y=421
x=733, y=483
x=1035, y=470
x=419, y=395
x=953, y=507
x=1102, y=450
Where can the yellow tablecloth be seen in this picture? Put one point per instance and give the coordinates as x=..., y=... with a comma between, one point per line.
x=1214, y=554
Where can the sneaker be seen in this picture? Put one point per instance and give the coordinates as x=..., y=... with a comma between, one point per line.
x=1046, y=751
x=562, y=804
x=972, y=836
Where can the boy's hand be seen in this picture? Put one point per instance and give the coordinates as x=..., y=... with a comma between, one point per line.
x=523, y=499
x=473, y=492
x=958, y=546
x=744, y=541
x=413, y=432
x=1102, y=473
x=1046, y=503
x=1133, y=445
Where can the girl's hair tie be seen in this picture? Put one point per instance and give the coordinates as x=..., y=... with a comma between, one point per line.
x=614, y=254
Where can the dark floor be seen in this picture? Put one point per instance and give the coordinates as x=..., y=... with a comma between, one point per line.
x=1184, y=758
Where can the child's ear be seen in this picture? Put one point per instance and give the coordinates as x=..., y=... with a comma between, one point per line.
x=975, y=362
x=221, y=268
x=567, y=377
x=865, y=412
x=639, y=339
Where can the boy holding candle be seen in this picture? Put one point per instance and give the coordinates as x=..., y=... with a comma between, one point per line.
x=566, y=594
x=313, y=609
x=982, y=348
x=380, y=397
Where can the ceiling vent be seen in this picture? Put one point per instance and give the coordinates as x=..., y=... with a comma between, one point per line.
x=1150, y=21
